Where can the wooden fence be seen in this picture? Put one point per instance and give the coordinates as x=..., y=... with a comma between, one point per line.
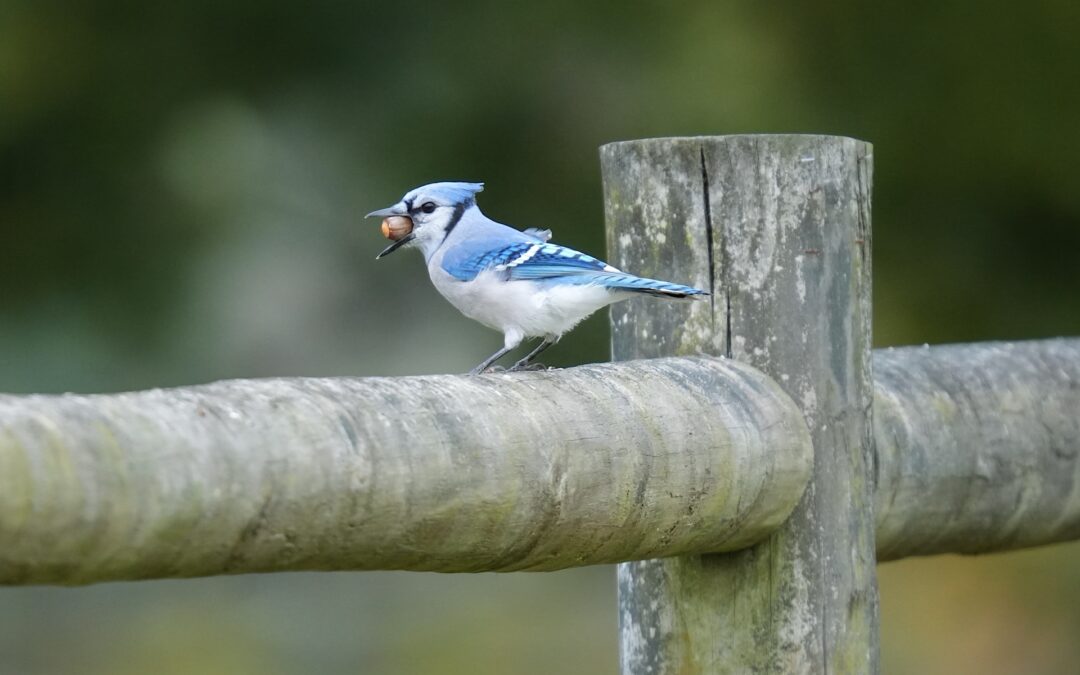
x=747, y=465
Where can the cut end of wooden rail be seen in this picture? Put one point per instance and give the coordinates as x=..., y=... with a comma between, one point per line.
x=529, y=471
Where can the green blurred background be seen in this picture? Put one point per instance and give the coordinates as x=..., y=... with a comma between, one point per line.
x=181, y=186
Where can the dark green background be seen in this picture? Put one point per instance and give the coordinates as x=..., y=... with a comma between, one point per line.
x=180, y=198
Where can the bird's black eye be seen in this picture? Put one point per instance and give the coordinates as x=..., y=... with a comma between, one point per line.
x=428, y=207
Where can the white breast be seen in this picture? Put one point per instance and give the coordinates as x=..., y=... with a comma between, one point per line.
x=522, y=308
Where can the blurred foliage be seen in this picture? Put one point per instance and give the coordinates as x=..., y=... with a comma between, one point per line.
x=181, y=187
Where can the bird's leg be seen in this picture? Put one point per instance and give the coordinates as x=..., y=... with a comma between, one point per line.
x=547, y=342
x=490, y=360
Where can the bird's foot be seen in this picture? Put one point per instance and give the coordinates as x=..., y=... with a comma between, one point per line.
x=489, y=369
x=520, y=367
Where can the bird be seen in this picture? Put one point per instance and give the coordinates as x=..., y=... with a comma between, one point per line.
x=510, y=280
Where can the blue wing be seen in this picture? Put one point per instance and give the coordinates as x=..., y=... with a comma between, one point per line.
x=523, y=260
x=552, y=261
x=553, y=264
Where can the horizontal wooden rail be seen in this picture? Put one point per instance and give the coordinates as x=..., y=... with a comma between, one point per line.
x=530, y=471
x=978, y=449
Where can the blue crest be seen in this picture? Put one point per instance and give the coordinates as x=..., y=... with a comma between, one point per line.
x=448, y=193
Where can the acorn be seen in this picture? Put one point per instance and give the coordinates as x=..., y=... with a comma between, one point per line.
x=396, y=227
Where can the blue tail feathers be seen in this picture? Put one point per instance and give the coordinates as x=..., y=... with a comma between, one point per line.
x=629, y=282
x=620, y=281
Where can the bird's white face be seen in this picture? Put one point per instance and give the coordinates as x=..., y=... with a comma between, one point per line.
x=433, y=219
x=434, y=210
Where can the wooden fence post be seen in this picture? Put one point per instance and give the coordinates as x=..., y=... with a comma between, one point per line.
x=778, y=228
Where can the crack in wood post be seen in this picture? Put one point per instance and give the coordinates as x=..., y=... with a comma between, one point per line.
x=708, y=235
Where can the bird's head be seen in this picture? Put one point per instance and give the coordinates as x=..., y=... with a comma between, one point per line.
x=434, y=209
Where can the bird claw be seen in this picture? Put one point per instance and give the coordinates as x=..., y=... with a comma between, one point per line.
x=488, y=370
x=524, y=367
x=516, y=368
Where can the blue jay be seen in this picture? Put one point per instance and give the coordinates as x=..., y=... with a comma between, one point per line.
x=512, y=281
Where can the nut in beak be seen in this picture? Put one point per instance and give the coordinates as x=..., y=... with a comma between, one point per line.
x=396, y=227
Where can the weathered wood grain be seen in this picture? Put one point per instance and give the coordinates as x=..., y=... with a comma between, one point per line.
x=978, y=447
x=978, y=451
x=525, y=471
x=778, y=227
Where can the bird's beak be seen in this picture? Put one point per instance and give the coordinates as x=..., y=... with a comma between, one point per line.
x=395, y=210
x=398, y=209
x=397, y=244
